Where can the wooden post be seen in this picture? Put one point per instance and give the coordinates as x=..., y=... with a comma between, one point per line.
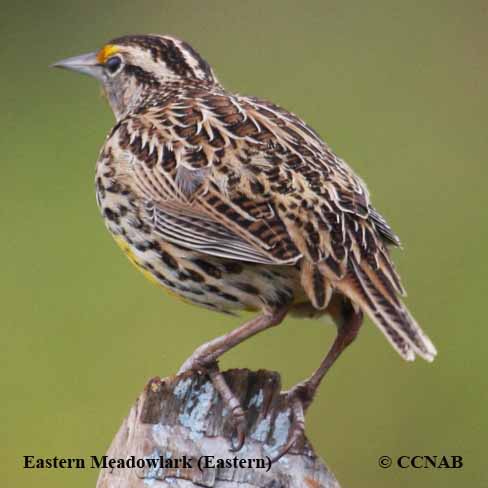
x=182, y=418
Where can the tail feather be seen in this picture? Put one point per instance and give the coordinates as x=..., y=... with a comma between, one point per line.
x=386, y=264
x=377, y=296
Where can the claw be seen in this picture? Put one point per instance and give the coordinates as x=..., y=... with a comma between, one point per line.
x=297, y=429
x=240, y=424
x=232, y=403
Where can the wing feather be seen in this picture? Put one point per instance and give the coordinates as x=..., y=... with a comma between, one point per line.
x=241, y=178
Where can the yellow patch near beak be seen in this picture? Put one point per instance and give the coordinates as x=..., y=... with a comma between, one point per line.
x=106, y=52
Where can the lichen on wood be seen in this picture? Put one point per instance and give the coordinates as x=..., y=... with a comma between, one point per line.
x=183, y=418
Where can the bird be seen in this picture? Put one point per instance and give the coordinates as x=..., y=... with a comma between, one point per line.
x=233, y=203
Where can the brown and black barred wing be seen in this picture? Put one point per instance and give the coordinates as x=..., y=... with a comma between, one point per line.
x=226, y=169
x=327, y=212
x=171, y=168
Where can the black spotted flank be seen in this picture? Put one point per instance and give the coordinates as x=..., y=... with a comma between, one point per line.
x=232, y=267
x=229, y=297
x=169, y=260
x=111, y=215
x=100, y=188
x=282, y=298
x=194, y=276
x=208, y=268
x=247, y=288
x=212, y=288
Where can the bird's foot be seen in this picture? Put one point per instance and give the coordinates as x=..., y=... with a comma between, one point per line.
x=299, y=398
x=196, y=362
x=229, y=399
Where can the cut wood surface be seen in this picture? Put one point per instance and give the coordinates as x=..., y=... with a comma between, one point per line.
x=180, y=421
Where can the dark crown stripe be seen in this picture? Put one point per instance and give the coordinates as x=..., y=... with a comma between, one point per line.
x=172, y=53
x=204, y=67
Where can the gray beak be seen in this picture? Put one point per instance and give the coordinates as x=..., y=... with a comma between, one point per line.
x=85, y=63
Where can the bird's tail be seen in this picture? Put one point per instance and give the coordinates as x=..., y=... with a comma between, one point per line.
x=375, y=291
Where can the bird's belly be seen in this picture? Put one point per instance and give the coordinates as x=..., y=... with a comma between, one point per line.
x=211, y=282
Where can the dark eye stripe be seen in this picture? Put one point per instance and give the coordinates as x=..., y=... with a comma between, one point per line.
x=141, y=75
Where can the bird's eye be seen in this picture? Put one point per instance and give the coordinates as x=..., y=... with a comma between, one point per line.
x=113, y=64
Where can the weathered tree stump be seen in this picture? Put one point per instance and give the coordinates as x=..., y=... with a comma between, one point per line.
x=181, y=418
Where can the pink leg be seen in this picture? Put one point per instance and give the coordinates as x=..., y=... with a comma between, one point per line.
x=205, y=358
x=301, y=395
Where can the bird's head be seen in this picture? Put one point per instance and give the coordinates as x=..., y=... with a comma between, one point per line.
x=131, y=68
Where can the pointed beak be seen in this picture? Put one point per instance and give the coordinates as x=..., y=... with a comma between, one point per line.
x=86, y=63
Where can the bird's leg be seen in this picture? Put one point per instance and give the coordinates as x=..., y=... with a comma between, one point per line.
x=205, y=358
x=209, y=352
x=348, y=323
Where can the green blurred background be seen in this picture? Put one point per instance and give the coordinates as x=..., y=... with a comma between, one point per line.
x=397, y=88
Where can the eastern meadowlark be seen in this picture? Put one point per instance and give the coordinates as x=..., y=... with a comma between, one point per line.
x=233, y=203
